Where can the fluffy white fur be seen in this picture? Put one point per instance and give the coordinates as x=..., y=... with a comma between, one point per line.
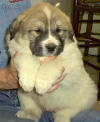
x=76, y=92
x=25, y=63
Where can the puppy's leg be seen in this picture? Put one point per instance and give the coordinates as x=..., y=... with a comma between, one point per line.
x=29, y=108
x=84, y=103
x=47, y=76
x=64, y=115
x=27, y=67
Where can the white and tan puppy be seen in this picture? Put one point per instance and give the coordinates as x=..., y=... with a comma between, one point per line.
x=40, y=32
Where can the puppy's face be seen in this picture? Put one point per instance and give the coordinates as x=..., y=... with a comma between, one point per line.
x=45, y=27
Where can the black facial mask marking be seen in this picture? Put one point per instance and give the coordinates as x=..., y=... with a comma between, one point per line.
x=36, y=46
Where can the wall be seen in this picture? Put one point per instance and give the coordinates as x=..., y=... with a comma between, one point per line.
x=65, y=5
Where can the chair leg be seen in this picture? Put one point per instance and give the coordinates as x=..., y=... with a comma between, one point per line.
x=99, y=87
x=88, y=31
x=81, y=13
x=89, y=24
x=86, y=50
x=75, y=18
x=99, y=55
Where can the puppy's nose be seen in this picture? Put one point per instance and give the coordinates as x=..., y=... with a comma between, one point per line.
x=51, y=47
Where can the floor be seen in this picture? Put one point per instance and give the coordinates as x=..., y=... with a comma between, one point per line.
x=94, y=74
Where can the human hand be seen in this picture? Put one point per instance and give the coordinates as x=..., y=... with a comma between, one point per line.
x=61, y=78
x=57, y=84
x=47, y=59
x=54, y=78
x=11, y=75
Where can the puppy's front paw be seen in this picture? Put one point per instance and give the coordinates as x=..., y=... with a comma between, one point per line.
x=26, y=82
x=47, y=76
x=27, y=67
x=42, y=86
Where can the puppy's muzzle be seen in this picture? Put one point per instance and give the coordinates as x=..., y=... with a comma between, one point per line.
x=51, y=47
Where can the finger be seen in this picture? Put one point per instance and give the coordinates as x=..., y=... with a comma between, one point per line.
x=15, y=76
x=61, y=78
x=53, y=88
x=16, y=79
x=12, y=67
x=12, y=59
x=41, y=62
x=15, y=85
x=16, y=54
x=12, y=85
x=56, y=85
x=50, y=58
x=63, y=69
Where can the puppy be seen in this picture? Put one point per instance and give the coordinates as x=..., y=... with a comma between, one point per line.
x=40, y=32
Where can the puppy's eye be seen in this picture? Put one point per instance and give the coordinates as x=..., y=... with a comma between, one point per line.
x=36, y=31
x=58, y=30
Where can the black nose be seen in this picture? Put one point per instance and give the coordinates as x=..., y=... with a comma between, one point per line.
x=51, y=47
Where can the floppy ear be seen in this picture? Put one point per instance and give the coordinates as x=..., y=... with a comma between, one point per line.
x=10, y=34
x=14, y=28
x=71, y=35
x=11, y=31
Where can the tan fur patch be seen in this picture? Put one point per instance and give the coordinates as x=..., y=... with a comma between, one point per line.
x=47, y=12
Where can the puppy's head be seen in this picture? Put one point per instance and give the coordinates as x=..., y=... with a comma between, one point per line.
x=45, y=27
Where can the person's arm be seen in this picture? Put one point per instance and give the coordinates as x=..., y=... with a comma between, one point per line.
x=8, y=77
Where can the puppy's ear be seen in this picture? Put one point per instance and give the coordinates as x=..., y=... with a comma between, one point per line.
x=69, y=28
x=14, y=28
x=10, y=34
x=71, y=35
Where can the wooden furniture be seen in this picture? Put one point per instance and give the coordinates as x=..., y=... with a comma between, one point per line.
x=79, y=8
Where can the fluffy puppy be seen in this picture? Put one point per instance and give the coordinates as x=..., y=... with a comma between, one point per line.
x=40, y=32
